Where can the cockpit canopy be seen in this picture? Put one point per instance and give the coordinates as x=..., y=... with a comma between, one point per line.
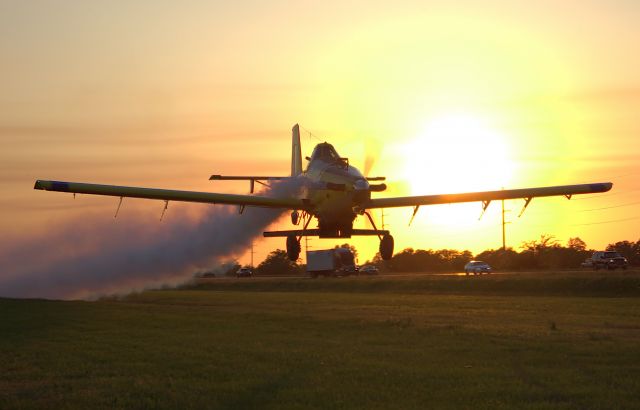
x=325, y=152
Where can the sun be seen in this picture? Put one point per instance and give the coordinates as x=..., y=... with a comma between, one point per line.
x=457, y=153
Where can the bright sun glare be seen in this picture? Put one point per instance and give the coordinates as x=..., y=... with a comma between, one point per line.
x=457, y=153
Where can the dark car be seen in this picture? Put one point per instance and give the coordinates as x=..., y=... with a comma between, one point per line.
x=244, y=273
x=368, y=270
x=588, y=263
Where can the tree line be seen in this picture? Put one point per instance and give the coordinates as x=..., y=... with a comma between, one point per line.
x=544, y=253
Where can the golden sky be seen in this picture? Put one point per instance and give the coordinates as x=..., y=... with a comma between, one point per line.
x=451, y=96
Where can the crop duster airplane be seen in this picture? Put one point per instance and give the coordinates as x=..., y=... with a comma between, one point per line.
x=334, y=192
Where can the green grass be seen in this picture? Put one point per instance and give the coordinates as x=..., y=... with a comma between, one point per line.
x=571, y=283
x=422, y=342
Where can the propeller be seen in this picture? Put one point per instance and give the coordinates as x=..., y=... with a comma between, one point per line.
x=369, y=161
x=372, y=152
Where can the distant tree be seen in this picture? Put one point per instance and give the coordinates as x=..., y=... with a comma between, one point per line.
x=547, y=253
x=568, y=257
x=545, y=242
x=426, y=260
x=543, y=252
x=278, y=263
x=502, y=259
x=453, y=260
x=402, y=261
x=421, y=260
x=577, y=244
x=352, y=248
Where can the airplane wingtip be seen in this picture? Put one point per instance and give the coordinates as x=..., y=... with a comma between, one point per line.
x=602, y=187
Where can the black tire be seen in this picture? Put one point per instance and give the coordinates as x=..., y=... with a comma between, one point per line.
x=293, y=248
x=386, y=247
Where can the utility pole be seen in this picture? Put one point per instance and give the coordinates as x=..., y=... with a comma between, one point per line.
x=504, y=241
x=306, y=247
x=252, y=254
x=504, y=224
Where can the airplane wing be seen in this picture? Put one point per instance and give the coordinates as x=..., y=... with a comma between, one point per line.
x=170, y=194
x=487, y=196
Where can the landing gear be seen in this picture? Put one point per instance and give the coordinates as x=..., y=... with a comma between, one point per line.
x=386, y=241
x=386, y=247
x=295, y=217
x=293, y=248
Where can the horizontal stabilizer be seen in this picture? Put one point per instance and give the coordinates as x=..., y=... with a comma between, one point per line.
x=252, y=179
x=244, y=178
x=316, y=232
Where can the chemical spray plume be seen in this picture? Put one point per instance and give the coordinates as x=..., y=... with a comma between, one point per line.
x=99, y=257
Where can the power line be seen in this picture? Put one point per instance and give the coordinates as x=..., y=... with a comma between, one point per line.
x=624, y=175
x=610, y=207
x=607, y=222
x=537, y=213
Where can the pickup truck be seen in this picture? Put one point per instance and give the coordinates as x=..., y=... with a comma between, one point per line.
x=608, y=260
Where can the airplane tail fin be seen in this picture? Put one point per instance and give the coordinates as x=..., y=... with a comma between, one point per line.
x=296, y=152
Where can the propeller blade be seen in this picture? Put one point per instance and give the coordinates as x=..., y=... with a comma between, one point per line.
x=368, y=164
x=372, y=152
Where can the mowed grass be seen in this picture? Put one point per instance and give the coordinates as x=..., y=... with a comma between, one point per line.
x=331, y=343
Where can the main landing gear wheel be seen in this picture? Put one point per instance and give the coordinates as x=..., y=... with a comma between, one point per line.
x=386, y=247
x=293, y=248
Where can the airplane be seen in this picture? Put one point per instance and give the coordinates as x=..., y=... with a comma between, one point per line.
x=334, y=193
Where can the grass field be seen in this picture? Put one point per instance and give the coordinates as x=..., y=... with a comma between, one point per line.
x=569, y=340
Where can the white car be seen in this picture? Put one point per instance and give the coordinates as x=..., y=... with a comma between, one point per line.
x=477, y=268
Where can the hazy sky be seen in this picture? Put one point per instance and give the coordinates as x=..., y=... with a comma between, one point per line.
x=451, y=96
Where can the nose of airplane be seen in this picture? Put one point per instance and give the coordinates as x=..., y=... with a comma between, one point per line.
x=361, y=185
x=362, y=191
